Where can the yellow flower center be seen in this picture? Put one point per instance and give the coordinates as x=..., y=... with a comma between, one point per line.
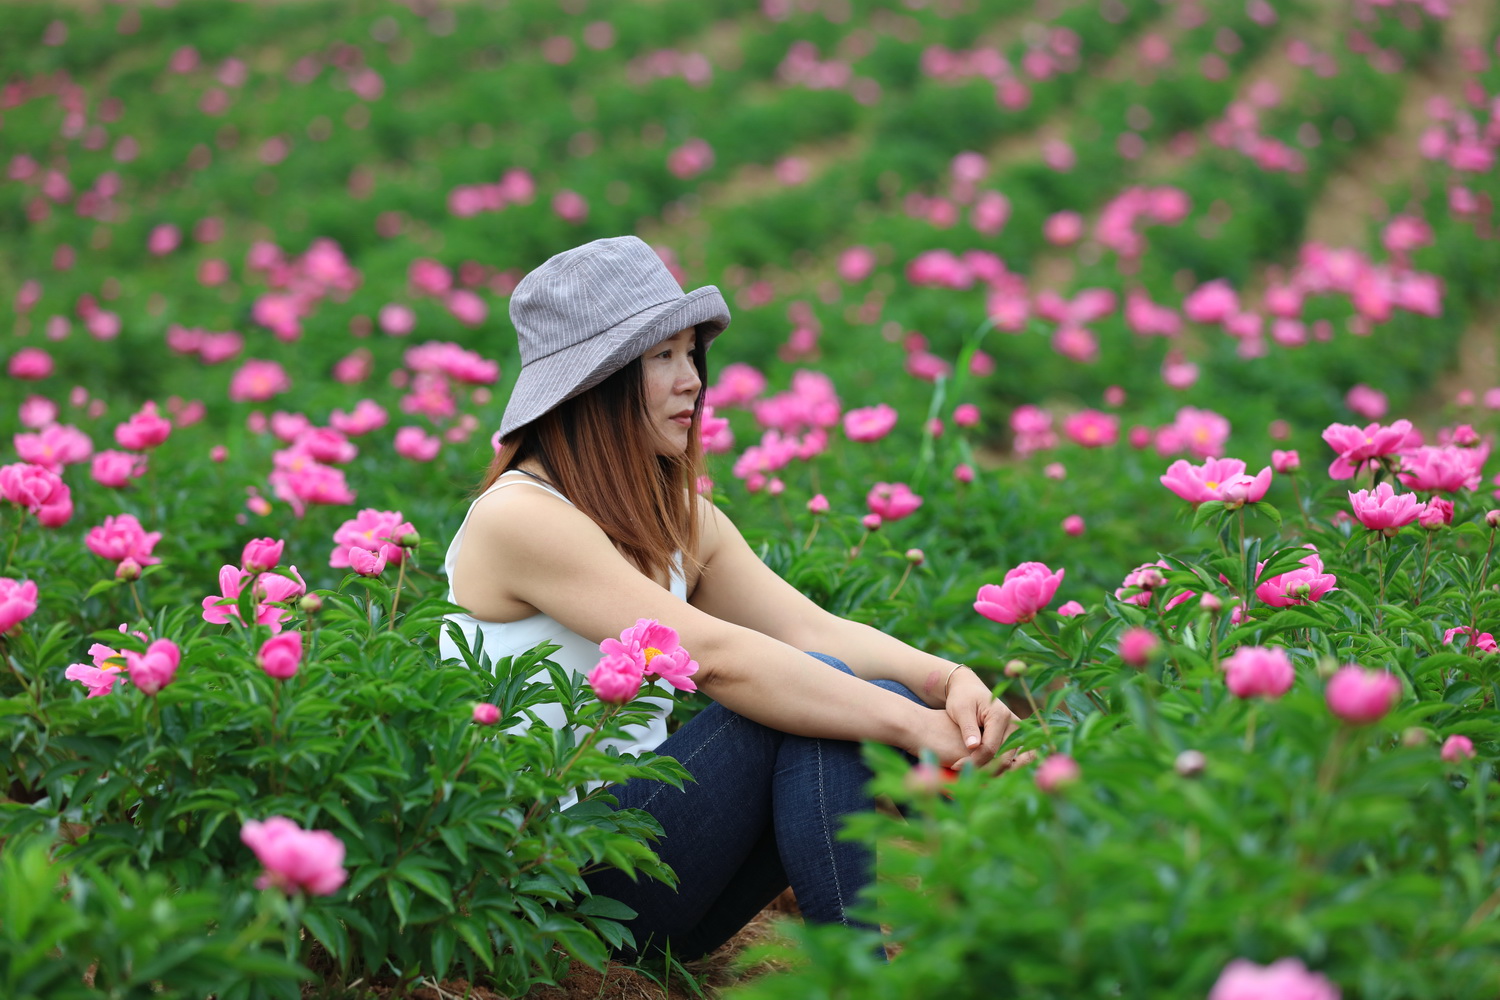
x=651, y=653
x=1211, y=485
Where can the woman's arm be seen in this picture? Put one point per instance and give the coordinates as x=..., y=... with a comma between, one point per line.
x=737, y=586
x=557, y=560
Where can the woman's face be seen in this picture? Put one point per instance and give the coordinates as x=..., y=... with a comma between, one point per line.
x=671, y=388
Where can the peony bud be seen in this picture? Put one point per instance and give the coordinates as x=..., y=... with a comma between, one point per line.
x=128, y=570
x=1211, y=603
x=1492, y=518
x=486, y=714
x=871, y=521
x=410, y=540
x=915, y=556
x=1056, y=773
x=1415, y=736
x=1457, y=749
x=1190, y=763
x=310, y=604
x=1138, y=646
x=1015, y=668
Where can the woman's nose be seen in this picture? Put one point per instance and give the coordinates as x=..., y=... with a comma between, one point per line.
x=688, y=380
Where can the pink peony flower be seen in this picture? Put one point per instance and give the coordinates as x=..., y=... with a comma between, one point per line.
x=416, y=444
x=295, y=859
x=718, y=438
x=1092, y=428
x=30, y=364
x=1259, y=672
x=1138, y=646
x=154, y=669
x=39, y=490
x=1141, y=583
x=1298, y=586
x=892, y=501
x=966, y=415
x=367, y=416
x=1213, y=302
x=1457, y=749
x=617, y=678
x=115, y=469
x=658, y=651
x=1287, y=979
x=486, y=713
x=869, y=423
x=1027, y=589
x=1437, y=514
x=262, y=554
x=818, y=504
x=1356, y=446
x=1057, y=772
x=1482, y=641
x=281, y=655
x=54, y=447
x=17, y=602
x=366, y=562
x=100, y=676
x=1220, y=479
x=1069, y=609
x=145, y=429
x=380, y=530
x=1073, y=525
x=1285, y=462
x=1361, y=696
x=257, y=381
x=270, y=589
x=1447, y=468
x=121, y=537
x=1383, y=509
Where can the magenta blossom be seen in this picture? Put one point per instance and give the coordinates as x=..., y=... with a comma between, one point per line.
x=1457, y=749
x=281, y=655
x=262, y=554
x=1287, y=979
x=1259, y=672
x=367, y=562
x=485, y=713
x=40, y=490
x=657, y=650
x=1141, y=583
x=1361, y=696
x=1298, y=586
x=121, y=537
x=154, y=669
x=1221, y=479
x=1356, y=445
x=115, y=469
x=892, y=501
x=294, y=858
x=380, y=530
x=617, y=678
x=1092, y=428
x=271, y=589
x=100, y=676
x=870, y=423
x=1069, y=609
x=17, y=602
x=1482, y=641
x=1027, y=590
x=145, y=429
x=1285, y=462
x=1138, y=646
x=1383, y=509
x=1057, y=772
x=1447, y=469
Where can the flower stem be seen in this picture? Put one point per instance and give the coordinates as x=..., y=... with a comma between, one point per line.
x=136, y=595
x=901, y=582
x=1474, y=602
x=1037, y=713
x=1426, y=558
x=396, y=597
x=807, y=542
x=1297, y=499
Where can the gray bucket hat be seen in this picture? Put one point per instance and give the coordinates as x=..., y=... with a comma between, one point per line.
x=587, y=312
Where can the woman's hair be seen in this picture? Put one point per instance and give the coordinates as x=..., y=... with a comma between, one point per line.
x=600, y=451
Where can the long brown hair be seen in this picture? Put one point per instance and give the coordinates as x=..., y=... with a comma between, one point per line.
x=599, y=450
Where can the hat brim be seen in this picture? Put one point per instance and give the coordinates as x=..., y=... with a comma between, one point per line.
x=546, y=382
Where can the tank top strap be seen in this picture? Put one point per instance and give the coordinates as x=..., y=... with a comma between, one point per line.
x=525, y=479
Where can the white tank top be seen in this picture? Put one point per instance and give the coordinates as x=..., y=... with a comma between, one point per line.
x=577, y=654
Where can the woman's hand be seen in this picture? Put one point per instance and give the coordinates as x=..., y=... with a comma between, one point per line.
x=983, y=721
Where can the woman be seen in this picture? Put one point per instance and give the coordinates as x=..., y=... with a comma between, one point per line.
x=601, y=433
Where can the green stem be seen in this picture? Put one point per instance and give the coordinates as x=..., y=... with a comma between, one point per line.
x=1426, y=558
x=396, y=598
x=1067, y=659
x=1250, y=730
x=1297, y=499
x=15, y=542
x=807, y=542
x=1038, y=715
x=135, y=594
x=1474, y=599
x=901, y=582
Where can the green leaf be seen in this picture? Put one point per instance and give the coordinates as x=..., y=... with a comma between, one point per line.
x=444, y=943
x=428, y=881
x=400, y=897
x=1266, y=509
x=1206, y=510
x=328, y=930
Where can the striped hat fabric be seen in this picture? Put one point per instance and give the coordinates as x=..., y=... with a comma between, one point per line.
x=588, y=312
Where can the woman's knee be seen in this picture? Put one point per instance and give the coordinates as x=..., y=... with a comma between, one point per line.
x=896, y=687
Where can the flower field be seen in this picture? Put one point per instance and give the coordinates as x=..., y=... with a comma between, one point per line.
x=1141, y=354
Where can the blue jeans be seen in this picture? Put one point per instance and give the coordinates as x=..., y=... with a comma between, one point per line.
x=763, y=812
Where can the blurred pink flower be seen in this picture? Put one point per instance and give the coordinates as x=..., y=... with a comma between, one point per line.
x=1212, y=302
x=40, y=490
x=366, y=562
x=367, y=416
x=1298, y=586
x=1073, y=525
x=428, y=277
x=466, y=307
x=1361, y=696
x=18, y=600
x=966, y=415
x=155, y=668
x=1027, y=589
x=1437, y=514
x=1383, y=509
x=397, y=320
x=1138, y=645
x=1140, y=584
x=54, y=447
x=1057, y=772
x=300, y=480
x=1457, y=749
x=1285, y=462
x=892, y=501
x=30, y=364
x=690, y=159
x=1063, y=228
x=870, y=423
x=856, y=264
x=145, y=429
x=485, y=713
x=1069, y=609
x=570, y=206
x=121, y=537
x=1287, y=979
x=294, y=858
x=416, y=444
x=1258, y=672
x=115, y=469
x=281, y=655
x=1366, y=402
x=1202, y=432
x=1447, y=469
x=1092, y=428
